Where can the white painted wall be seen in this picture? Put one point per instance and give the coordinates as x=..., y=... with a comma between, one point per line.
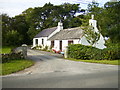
x=84, y=41
x=46, y=42
x=34, y=42
x=64, y=44
x=100, y=43
x=76, y=41
x=57, y=45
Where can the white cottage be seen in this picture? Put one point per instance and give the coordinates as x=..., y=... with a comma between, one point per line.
x=41, y=39
x=58, y=38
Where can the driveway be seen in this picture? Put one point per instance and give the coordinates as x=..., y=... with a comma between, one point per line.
x=51, y=70
x=49, y=62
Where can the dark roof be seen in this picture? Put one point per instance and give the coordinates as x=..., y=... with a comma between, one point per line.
x=65, y=34
x=45, y=32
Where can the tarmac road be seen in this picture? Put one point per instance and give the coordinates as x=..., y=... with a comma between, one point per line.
x=52, y=71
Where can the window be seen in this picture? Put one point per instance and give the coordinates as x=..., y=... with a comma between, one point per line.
x=52, y=44
x=70, y=42
x=36, y=41
x=42, y=41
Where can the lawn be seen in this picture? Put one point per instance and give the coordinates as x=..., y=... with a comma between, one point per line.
x=15, y=66
x=6, y=49
x=112, y=62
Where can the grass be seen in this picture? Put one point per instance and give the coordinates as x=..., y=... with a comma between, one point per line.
x=6, y=49
x=112, y=62
x=14, y=66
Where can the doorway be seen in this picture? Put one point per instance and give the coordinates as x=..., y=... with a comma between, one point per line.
x=60, y=45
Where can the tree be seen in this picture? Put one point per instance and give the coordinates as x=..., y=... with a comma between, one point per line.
x=19, y=23
x=91, y=36
x=32, y=32
x=108, y=19
x=6, y=27
x=13, y=38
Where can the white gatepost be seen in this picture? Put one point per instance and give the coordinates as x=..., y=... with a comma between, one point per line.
x=66, y=52
x=24, y=48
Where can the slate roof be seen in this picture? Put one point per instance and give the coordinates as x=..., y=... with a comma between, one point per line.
x=65, y=34
x=45, y=32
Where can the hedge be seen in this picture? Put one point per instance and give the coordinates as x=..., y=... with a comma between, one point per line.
x=79, y=51
x=11, y=56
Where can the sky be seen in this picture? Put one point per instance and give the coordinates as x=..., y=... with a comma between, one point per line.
x=16, y=7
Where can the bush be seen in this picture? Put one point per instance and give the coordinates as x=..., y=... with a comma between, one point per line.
x=45, y=49
x=111, y=53
x=37, y=47
x=11, y=56
x=79, y=51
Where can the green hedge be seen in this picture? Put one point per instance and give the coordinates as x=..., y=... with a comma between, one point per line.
x=11, y=56
x=79, y=51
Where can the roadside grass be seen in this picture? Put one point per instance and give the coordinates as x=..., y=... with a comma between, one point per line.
x=6, y=49
x=112, y=62
x=14, y=66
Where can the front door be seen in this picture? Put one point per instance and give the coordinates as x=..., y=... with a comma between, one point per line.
x=52, y=44
x=60, y=45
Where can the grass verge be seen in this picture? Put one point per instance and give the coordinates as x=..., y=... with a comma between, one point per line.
x=14, y=66
x=112, y=62
x=6, y=49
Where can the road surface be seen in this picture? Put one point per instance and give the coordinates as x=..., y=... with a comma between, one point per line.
x=52, y=71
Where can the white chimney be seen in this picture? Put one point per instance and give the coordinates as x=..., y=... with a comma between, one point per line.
x=92, y=16
x=93, y=23
x=60, y=26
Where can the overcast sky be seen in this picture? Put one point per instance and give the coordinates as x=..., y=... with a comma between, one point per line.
x=16, y=7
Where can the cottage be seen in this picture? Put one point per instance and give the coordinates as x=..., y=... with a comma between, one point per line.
x=58, y=38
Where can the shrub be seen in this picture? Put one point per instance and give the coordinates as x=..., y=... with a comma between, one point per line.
x=11, y=56
x=45, y=49
x=79, y=51
x=37, y=47
x=111, y=53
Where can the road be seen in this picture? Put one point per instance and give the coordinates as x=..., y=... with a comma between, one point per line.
x=52, y=71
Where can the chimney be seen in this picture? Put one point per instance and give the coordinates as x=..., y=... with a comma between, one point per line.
x=60, y=26
x=92, y=17
x=92, y=22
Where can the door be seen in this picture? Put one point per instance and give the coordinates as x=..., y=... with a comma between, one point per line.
x=36, y=41
x=52, y=44
x=60, y=45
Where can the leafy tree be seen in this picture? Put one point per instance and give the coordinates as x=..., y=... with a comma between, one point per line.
x=110, y=24
x=13, y=38
x=19, y=23
x=6, y=26
x=108, y=19
x=32, y=32
x=91, y=36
